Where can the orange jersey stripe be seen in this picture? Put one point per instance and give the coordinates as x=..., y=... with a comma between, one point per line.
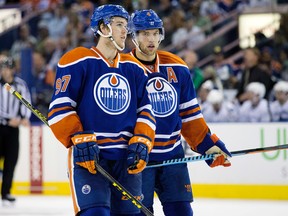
x=142, y=128
x=63, y=133
x=58, y=109
x=107, y=140
x=188, y=112
x=165, y=143
x=71, y=182
x=148, y=115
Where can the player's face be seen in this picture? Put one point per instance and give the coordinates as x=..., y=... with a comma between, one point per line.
x=281, y=96
x=6, y=73
x=119, y=30
x=148, y=41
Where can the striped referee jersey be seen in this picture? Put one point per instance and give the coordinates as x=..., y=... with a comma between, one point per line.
x=10, y=106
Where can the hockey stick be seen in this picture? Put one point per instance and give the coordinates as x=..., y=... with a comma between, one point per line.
x=114, y=182
x=210, y=156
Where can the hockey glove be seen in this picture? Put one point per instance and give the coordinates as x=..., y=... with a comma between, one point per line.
x=138, y=150
x=213, y=145
x=85, y=150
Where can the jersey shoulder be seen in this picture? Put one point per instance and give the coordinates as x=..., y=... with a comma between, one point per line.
x=170, y=58
x=76, y=55
x=128, y=58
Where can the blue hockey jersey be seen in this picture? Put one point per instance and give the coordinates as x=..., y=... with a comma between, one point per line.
x=176, y=109
x=108, y=98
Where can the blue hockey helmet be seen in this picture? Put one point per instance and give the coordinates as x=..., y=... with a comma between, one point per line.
x=105, y=13
x=145, y=20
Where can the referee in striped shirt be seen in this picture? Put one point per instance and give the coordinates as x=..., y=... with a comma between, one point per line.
x=12, y=115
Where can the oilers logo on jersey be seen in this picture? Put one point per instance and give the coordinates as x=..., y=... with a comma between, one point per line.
x=162, y=95
x=112, y=93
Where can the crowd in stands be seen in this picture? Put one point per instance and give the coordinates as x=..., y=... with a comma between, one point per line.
x=259, y=81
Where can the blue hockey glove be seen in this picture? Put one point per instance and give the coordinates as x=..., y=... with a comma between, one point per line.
x=138, y=150
x=213, y=145
x=85, y=150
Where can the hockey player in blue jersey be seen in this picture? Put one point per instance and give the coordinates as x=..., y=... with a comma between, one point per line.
x=100, y=108
x=173, y=99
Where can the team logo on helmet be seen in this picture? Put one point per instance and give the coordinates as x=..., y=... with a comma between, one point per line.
x=162, y=95
x=112, y=93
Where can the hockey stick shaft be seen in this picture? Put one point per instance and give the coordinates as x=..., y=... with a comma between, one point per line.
x=26, y=103
x=210, y=156
x=114, y=182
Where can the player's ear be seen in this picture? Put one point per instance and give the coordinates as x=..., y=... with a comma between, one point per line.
x=103, y=27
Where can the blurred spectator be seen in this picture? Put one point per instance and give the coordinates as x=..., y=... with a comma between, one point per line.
x=283, y=58
x=201, y=21
x=185, y=31
x=209, y=73
x=255, y=108
x=279, y=107
x=25, y=40
x=42, y=89
x=260, y=3
x=74, y=28
x=210, y=8
x=272, y=65
x=62, y=46
x=194, y=36
x=218, y=109
x=49, y=49
x=253, y=72
x=261, y=40
x=163, y=7
x=169, y=30
x=203, y=92
x=43, y=34
x=178, y=21
x=224, y=70
x=227, y=6
x=57, y=24
x=85, y=12
x=191, y=58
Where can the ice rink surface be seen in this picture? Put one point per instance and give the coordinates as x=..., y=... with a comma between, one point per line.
x=62, y=206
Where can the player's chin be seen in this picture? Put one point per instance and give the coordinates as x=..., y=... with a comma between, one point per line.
x=121, y=44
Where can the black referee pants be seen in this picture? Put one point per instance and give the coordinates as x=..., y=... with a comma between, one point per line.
x=9, y=150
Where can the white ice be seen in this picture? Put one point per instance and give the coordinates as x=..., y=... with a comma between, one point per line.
x=62, y=206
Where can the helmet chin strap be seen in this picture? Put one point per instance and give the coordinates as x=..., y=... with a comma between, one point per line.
x=138, y=47
x=111, y=38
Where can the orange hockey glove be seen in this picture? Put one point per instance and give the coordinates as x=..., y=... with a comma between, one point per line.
x=213, y=145
x=138, y=150
x=85, y=150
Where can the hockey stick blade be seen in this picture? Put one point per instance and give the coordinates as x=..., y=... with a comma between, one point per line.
x=210, y=156
x=115, y=183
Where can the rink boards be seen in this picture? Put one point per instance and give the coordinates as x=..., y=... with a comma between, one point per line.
x=42, y=163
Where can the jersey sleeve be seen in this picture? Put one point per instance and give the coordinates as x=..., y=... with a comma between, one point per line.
x=194, y=127
x=145, y=124
x=62, y=118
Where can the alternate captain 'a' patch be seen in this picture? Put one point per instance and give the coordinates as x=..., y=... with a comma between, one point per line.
x=112, y=93
x=162, y=95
